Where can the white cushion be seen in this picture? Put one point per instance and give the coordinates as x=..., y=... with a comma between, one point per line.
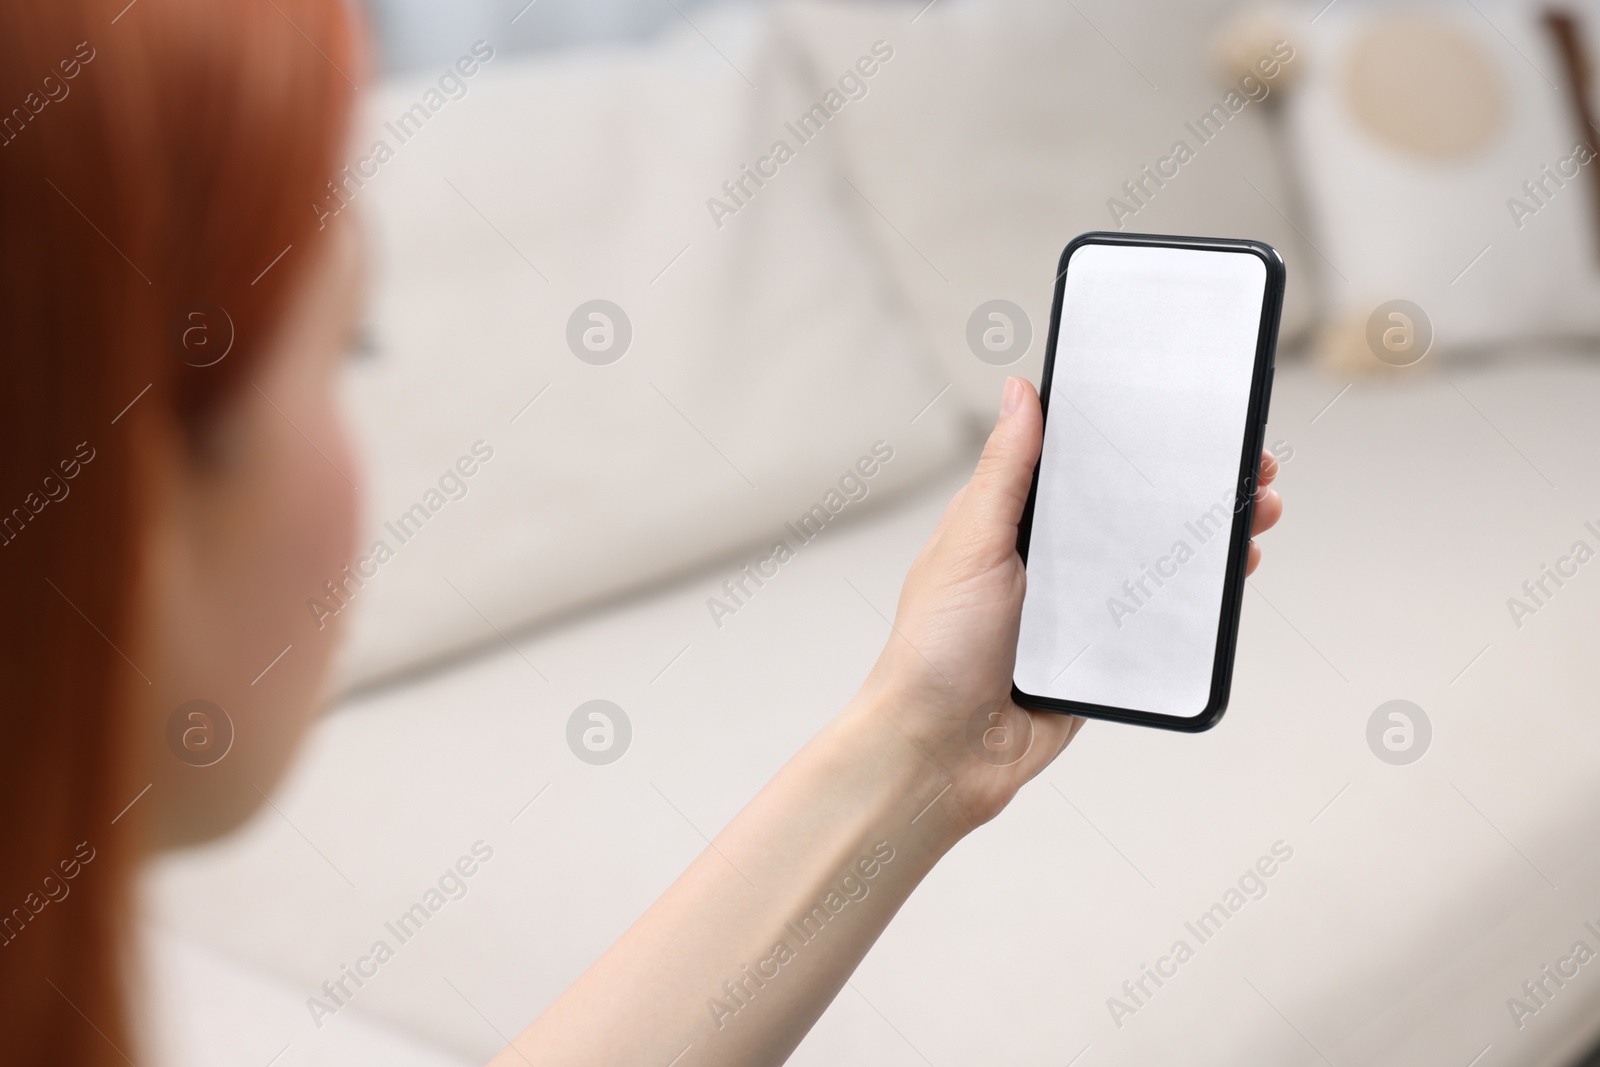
x=1438, y=229
x=1000, y=131
x=764, y=361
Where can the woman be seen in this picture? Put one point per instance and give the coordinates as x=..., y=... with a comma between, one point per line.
x=166, y=522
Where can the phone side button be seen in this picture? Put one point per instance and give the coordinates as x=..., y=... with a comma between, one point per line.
x=1266, y=400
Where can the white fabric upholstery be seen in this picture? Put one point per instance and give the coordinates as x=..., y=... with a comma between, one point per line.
x=763, y=361
x=1002, y=130
x=1394, y=935
x=785, y=340
x=210, y=1009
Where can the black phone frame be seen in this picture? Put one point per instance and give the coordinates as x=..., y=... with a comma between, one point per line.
x=1254, y=438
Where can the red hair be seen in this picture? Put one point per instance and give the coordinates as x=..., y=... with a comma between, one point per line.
x=156, y=159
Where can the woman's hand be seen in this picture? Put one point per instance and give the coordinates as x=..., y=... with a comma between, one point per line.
x=933, y=733
x=944, y=677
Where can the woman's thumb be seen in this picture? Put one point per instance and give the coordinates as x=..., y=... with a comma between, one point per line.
x=999, y=487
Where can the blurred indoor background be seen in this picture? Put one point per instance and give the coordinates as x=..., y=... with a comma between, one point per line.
x=667, y=360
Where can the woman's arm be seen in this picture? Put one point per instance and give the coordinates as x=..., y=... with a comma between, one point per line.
x=737, y=960
x=741, y=955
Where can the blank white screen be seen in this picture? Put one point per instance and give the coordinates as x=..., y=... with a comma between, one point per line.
x=1141, y=454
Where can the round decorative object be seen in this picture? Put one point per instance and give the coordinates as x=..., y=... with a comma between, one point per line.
x=1421, y=85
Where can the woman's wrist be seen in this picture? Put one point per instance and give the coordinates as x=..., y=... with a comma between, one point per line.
x=877, y=748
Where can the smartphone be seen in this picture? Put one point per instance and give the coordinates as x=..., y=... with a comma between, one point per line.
x=1157, y=378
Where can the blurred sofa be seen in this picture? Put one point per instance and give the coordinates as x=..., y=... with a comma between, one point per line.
x=772, y=343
